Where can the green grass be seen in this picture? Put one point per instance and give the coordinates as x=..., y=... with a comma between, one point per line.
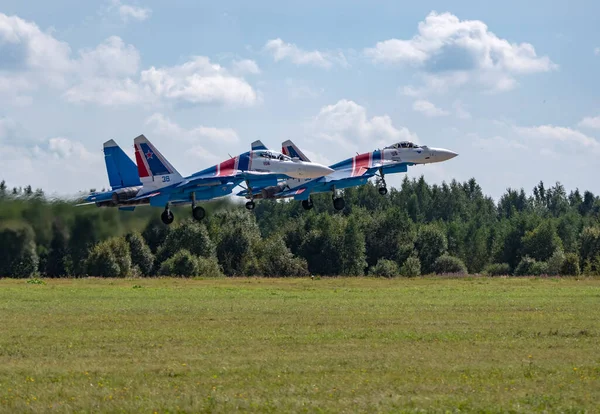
x=300, y=345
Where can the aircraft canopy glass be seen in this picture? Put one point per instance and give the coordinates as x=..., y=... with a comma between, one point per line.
x=274, y=156
x=403, y=144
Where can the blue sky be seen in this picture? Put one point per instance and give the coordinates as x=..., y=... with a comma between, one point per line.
x=512, y=86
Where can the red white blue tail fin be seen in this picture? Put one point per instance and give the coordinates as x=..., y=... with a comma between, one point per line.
x=153, y=168
x=291, y=150
x=258, y=145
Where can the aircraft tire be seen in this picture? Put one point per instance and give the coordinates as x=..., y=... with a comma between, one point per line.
x=198, y=213
x=250, y=205
x=339, y=203
x=167, y=217
x=307, y=204
x=382, y=190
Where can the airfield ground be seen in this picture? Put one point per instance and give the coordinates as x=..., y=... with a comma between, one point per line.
x=336, y=345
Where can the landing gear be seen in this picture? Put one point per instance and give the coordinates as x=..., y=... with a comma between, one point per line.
x=250, y=204
x=338, y=203
x=198, y=213
x=167, y=216
x=307, y=204
x=380, y=182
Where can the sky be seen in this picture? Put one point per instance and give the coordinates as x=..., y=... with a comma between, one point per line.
x=511, y=86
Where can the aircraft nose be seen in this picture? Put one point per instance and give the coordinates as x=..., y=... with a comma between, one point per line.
x=317, y=170
x=442, y=154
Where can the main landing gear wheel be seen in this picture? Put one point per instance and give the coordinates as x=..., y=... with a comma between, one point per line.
x=339, y=203
x=307, y=204
x=198, y=213
x=250, y=205
x=167, y=216
x=382, y=190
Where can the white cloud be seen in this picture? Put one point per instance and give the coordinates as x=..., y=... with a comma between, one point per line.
x=128, y=12
x=111, y=58
x=428, y=109
x=497, y=143
x=300, y=90
x=245, y=66
x=346, y=123
x=597, y=51
x=590, y=122
x=460, y=111
x=576, y=141
x=198, y=81
x=453, y=52
x=30, y=57
x=282, y=50
x=162, y=125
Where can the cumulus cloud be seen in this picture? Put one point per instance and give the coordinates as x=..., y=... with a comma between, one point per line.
x=428, y=109
x=346, y=123
x=281, y=50
x=575, y=140
x=162, y=125
x=245, y=66
x=198, y=81
x=590, y=122
x=29, y=57
x=460, y=110
x=109, y=74
x=128, y=12
x=453, y=52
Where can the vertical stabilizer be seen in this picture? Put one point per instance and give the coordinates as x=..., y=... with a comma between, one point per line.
x=153, y=168
x=122, y=172
x=258, y=145
x=291, y=150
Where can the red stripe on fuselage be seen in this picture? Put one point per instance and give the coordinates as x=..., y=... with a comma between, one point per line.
x=359, y=162
x=226, y=168
x=142, y=170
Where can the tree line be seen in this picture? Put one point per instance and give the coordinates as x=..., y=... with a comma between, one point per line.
x=417, y=229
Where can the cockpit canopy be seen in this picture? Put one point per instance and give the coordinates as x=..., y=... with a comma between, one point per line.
x=273, y=155
x=403, y=144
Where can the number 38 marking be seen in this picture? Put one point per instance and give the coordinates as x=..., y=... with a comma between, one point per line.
x=166, y=178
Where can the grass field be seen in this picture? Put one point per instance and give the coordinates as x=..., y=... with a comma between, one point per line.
x=300, y=345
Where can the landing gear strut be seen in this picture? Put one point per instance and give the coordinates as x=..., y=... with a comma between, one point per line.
x=197, y=212
x=307, y=204
x=250, y=204
x=381, y=186
x=167, y=216
x=338, y=202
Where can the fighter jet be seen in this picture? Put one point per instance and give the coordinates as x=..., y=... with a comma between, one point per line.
x=350, y=172
x=155, y=182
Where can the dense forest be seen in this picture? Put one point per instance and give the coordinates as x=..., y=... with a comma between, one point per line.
x=416, y=229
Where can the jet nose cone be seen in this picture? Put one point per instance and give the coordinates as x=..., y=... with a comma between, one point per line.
x=317, y=170
x=442, y=154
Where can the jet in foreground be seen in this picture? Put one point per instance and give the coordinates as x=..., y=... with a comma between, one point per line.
x=154, y=181
x=351, y=172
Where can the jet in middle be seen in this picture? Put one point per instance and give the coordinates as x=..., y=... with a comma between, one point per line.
x=163, y=186
x=350, y=172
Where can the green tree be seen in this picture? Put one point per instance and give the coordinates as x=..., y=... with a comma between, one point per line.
x=353, y=250
x=141, y=256
x=449, y=264
x=109, y=258
x=18, y=257
x=431, y=243
x=57, y=262
x=275, y=259
x=385, y=268
x=570, y=265
x=189, y=235
x=542, y=242
x=182, y=263
x=411, y=267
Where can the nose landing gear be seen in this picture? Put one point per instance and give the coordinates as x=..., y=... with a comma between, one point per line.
x=380, y=183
